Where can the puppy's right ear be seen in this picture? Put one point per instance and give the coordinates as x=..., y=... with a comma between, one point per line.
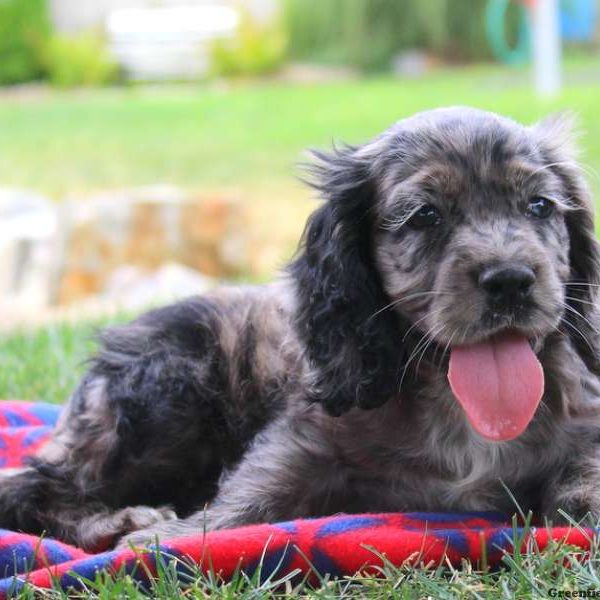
x=353, y=357
x=557, y=142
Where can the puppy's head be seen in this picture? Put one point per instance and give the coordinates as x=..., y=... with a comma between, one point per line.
x=456, y=230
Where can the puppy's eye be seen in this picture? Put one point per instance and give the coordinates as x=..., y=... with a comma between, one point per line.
x=427, y=216
x=540, y=208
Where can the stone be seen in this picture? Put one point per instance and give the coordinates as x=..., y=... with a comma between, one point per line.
x=28, y=236
x=147, y=228
x=133, y=288
x=412, y=64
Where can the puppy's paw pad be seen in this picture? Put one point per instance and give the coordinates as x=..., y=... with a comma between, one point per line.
x=142, y=517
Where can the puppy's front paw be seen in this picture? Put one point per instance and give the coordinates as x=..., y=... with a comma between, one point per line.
x=138, y=539
x=102, y=530
x=577, y=504
x=162, y=532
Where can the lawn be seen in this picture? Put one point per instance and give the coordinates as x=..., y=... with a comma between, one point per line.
x=46, y=363
x=243, y=136
x=247, y=138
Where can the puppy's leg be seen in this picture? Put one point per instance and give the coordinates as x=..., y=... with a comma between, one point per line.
x=159, y=415
x=575, y=491
x=100, y=530
x=290, y=472
x=56, y=490
x=63, y=491
x=87, y=522
x=146, y=426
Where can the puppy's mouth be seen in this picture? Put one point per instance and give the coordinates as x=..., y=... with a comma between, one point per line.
x=498, y=382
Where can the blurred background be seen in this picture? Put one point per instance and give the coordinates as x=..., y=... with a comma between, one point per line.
x=149, y=148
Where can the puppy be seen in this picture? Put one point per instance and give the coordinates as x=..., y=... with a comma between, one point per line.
x=432, y=347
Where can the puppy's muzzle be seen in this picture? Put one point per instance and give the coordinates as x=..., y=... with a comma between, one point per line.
x=507, y=286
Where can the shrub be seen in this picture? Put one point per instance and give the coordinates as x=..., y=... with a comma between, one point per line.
x=24, y=30
x=80, y=60
x=368, y=33
x=254, y=50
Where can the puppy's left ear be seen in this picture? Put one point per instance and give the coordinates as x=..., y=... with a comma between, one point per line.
x=557, y=142
x=352, y=345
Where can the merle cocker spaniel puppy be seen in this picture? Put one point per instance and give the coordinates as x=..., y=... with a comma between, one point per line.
x=433, y=346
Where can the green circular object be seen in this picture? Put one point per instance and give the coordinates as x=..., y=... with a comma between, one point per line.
x=495, y=19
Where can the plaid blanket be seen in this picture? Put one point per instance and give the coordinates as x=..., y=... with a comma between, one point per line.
x=339, y=545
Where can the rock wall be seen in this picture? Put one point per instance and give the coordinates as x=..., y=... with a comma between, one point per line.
x=59, y=254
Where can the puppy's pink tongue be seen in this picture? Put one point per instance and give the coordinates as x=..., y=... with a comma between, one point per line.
x=499, y=383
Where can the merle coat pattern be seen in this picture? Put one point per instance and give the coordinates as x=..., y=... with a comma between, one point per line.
x=326, y=390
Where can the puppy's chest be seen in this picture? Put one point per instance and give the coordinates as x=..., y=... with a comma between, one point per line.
x=435, y=443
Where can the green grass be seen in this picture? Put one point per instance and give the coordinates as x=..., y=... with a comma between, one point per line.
x=44, y=364
x=243, y=136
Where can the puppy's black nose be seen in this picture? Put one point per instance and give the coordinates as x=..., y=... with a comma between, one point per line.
x=507, y=285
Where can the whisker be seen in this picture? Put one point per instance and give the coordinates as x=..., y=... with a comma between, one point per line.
x=431, y=314
x=446, y=347
x=576, y=312
x=396, y=223
x=585, y=168
x=543, y=168
x=425, y=339
x=583, y=337
x=582, y=283
x=581, y=300
x=431, y=340
x=407, y=298
x=405, y=368
x=588, y=169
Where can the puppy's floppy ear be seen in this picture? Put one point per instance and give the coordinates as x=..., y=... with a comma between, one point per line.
x=353, y=349
x=557, y=143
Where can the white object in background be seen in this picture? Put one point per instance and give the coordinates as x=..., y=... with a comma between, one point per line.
x=132, y=288
x=168, y=43
x=28, y=229
x=545, y=31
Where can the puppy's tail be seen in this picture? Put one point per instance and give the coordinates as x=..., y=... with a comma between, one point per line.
x=22, y=497
x=41, y=498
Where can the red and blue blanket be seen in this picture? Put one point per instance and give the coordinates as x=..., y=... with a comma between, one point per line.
x=339, y=545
